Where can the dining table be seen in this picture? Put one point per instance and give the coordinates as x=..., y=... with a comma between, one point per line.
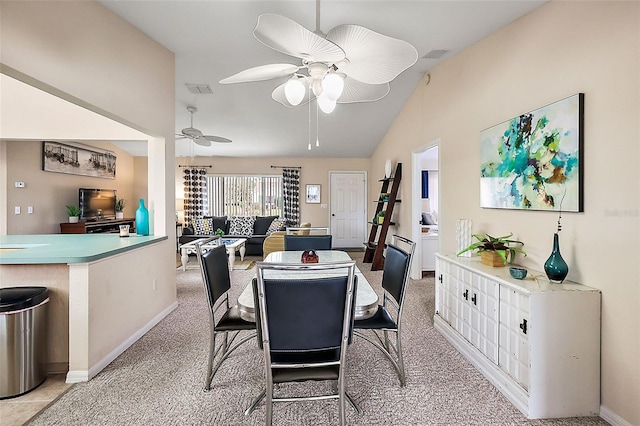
x=366, y=298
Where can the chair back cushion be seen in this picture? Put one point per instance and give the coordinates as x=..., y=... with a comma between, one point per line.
x=215, y=273
x=307, y=242
x=396, y=271
x=315, y=323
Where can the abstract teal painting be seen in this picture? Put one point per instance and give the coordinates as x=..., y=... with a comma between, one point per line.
x=533, y=161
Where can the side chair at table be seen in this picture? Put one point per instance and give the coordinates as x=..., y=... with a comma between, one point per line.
x=217, y=282
x=305, y=325
x=307, y=242
x=388, y=317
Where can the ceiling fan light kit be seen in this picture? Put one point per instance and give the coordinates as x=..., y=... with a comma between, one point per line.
x=294, y=90
x=326, y=105
x=350, y=64
x=333, y=85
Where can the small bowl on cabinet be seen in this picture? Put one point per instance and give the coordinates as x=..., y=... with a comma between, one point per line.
x=517, y=272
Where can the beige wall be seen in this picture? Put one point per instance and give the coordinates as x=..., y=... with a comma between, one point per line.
x=313, y=171
x=81, y=52
x=558, y=50
x=49, y=192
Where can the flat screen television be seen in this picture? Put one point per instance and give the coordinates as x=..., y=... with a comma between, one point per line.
x=97, y=204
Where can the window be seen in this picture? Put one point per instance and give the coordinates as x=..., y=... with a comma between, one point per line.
x=244, y=195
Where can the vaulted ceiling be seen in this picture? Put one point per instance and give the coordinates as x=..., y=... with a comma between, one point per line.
x=214, y=39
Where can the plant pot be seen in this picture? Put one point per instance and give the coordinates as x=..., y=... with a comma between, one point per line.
x=73, y=219
x=491, y=258
x=119, y=215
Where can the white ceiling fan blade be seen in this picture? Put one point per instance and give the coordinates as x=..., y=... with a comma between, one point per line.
x=191, y=132
x=279, y=96
x=218, y=139
x=372, y=57
x=261, y=73
x=202, y=141
x=357, y=91
x=289, y=37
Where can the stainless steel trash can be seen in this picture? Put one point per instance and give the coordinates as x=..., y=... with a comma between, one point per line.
x=23, y=339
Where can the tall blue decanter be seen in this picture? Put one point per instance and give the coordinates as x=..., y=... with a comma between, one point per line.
x=555, y=267
x=142, y=219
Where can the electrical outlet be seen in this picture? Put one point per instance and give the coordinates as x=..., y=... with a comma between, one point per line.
x=16, y=210
x=19, y=184
x=30, y=209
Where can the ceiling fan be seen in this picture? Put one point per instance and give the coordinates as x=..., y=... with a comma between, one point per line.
x=196, y=135
x=348, y=64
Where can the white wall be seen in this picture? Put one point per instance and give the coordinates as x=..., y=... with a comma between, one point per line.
x=558, y=50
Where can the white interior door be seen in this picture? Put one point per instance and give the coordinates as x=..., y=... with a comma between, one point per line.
x=348, y=209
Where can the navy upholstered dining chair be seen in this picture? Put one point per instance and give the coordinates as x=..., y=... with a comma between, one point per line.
x=307, y=242
x=305, y=318
x=388, y=318
x=224, y=319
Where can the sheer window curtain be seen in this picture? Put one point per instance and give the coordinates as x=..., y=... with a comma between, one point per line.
x=291, y=196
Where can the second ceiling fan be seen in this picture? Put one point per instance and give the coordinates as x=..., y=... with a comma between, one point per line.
x=349, y=64
x=196, y=135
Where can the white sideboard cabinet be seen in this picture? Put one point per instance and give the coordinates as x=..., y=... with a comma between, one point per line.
x=537, y=342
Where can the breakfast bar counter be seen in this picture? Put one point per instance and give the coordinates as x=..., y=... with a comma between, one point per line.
x=67, y=248
x=105, y=292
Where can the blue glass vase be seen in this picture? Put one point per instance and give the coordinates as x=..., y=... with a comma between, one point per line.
x=142, y=219
x=555, y=267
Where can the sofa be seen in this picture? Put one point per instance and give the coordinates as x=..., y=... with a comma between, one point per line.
x=254, y=228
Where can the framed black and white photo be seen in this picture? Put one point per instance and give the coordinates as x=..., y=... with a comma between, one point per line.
x=77, y=159
x=313, y=194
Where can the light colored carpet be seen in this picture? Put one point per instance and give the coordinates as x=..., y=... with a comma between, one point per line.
x=158, y=380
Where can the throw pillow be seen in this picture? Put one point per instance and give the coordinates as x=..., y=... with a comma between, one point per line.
x=276, y=225
x=427, y=219
x=203, y=226
x=241, y=225
x=219, y=222
x=262, y=224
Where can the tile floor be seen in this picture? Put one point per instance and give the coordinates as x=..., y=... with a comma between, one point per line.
x=19, y=410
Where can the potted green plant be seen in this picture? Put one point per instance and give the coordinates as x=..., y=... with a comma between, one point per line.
x=380, y=217
x=120, y=203
x=219, y=232
x=495, y=251
x=73, y=212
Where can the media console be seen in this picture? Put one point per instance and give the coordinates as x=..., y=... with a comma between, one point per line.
x=97, y=226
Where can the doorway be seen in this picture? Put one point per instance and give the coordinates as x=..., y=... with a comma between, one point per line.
x=347, y=208
x=425, y=199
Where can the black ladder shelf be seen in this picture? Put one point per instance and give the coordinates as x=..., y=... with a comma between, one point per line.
x=374, y=247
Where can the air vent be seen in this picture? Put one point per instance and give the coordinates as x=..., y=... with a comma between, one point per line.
x=436, y=54
x=199, y=89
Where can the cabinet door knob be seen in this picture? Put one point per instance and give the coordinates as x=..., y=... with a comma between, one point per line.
x=440, y=278
x=474, y=299
x=523, y=326
x=466, y=295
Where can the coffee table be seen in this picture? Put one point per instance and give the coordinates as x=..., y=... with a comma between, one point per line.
x=232, y=245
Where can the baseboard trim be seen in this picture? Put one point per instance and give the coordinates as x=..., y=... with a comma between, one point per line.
x=612, y=418
x=77, y=376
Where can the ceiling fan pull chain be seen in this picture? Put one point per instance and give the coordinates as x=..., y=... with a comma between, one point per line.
x=309, y=146
x=317, y=126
